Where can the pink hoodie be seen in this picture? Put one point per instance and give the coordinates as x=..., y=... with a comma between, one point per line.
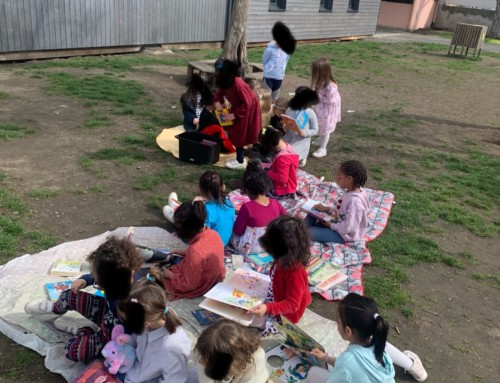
x=283, y=171
x=353, y=218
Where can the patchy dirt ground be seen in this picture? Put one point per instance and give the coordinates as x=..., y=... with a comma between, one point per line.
x=455, y=323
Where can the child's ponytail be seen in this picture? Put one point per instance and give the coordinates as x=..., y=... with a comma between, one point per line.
x=212, y=187
x=379, y=337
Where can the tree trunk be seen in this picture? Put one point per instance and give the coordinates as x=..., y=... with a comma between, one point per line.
x=494, y=32
x=235, y=45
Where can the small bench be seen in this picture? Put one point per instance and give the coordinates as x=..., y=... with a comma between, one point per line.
x=206, y=69
x=467, y=36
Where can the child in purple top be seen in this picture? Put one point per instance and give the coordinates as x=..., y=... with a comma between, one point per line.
x=352, y=214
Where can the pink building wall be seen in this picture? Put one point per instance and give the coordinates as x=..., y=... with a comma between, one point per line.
x=414, y=16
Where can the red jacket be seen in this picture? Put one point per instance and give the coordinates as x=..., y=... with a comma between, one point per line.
x=200, y=269
x=283, y=171
x=291, y=293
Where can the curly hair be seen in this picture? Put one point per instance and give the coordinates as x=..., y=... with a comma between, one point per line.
x=227, y=349
x=270, y=140
x=189, y=219
x=112, y=265
x=255, y=180
x=356, y=170
x=288, y=241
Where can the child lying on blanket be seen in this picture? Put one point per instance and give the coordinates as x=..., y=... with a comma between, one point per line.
x=254, y=215
x=352, y=212
x=112, y=265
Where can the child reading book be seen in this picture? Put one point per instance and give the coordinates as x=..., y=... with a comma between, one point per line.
x=193, y=101
x=162, y=346
x=112, y=265
x=287, y=240
x=299, y=108
x=229, y=352
x=352, y=214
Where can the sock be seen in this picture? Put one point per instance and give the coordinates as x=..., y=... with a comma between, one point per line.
x=398, y=358
x=240, y=155
x=323, y=141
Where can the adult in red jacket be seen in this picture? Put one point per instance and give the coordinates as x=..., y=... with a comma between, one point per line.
x=245, y=110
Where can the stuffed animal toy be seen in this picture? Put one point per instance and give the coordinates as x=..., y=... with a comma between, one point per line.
x=119, y=352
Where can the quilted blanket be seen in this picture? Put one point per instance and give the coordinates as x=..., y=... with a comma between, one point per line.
x=352, y=255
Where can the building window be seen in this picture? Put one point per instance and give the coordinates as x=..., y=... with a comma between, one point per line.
x=400, y=1
x=277, y=5
x=325, y=5
x=353, y=6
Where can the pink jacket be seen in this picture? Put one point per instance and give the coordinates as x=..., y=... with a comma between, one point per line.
x=328, y=109
x=283, y=171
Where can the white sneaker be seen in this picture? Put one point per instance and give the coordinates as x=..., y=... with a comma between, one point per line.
x=66, y=324
x=417, y=370
x=168, y=212
x=235, y=165
x=303, y=162
x=321, y=179
x=39, y=307
x=173, y=200
x=319, y=153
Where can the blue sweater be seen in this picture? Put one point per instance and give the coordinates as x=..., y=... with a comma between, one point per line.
x=220, y=217
x=274, y=61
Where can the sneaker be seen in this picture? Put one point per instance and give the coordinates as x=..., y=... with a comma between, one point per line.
x=235, y=165
x=417, y=370
x=303, y=162
x=319, y=153
x=173, y=200
x=66, y=324
x=168, y=212
x=39, y=307
x=321, y=179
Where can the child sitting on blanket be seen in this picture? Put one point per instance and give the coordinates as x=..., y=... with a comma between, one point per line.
x=369, y=357
x=254, y=215
x=284, y=165
x=352, y=212
x=287, y=240
x=229, y=352
x=162, y=346
x=202, y=265
x=112, y=265
x=219, y=209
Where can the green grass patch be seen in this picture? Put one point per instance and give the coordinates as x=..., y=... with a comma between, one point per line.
x=11, y=131
x=122, y=156
x=42, y=193
x=3, y=95
x=149, y=182
x=89, y=165
x=97, y=121
x=493, y=280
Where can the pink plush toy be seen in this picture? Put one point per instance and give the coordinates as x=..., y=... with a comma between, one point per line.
x=119, y=352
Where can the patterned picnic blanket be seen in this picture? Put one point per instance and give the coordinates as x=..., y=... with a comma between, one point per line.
x=352, y=255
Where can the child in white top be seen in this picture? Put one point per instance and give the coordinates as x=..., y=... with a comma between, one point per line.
x=162, y=346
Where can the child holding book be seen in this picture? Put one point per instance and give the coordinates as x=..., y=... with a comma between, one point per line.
x=287, y=240
x=202, y=265
x=112, y=266
x=352, y=214
x=328, y=108
x=219, y=209
x=368, y=357
x=284, y=165
x=254, y=215
x=230, y=352
x=162, y=346
x=300, y=109
x=193, y=101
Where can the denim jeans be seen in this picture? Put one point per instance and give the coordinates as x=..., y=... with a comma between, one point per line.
x=321, y=233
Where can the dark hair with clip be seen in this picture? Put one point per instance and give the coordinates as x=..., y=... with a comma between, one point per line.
x=212, y=187
x=270, y=140
x=361, y=315
x=189, y=219
x=356, y=170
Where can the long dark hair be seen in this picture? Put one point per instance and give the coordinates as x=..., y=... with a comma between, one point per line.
x=189, y=219
x=304, y=98
x=361, y=315
x=212, y=186
x=196, y=86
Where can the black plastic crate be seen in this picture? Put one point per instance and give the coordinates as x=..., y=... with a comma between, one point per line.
x=198, y=148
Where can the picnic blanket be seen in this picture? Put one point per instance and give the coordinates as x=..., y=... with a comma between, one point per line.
x=352, y=255
x=167, y=141
x=23, y=279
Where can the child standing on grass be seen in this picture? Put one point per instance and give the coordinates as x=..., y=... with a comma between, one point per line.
x=328, y=108
x=287, y=240
x=112, y=265
x=162, y=346
x=299, y=108
x=352, y=214
x=230, y=352
x=202, y=265
x=368, y=357
x=219, y=209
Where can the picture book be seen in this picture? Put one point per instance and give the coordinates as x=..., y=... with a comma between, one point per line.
x=54, y=289
x=222, y=117
x=238, y=200
x=204, y=317
x=308, y=207
x=324, y=275
x=298, y=341
x=296, y=123
x=65, y=268
x=96, y=373
x=230, y=312
x=259, y=259
x=286, y=366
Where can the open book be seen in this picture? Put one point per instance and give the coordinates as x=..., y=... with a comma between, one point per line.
x=54, y=289
x=240, y=292
x=308, y=207
x=296, y=123
x=324, y=275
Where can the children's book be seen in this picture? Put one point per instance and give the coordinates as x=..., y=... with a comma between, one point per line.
x=238, y=200
x=259, y=259
x=222, y=117
x=286, y=366
x=296, y=123
x=324, y=275
x=65, y=268
x=205, y=317
x=308, y=207
x=298, y=341
x=230, y=312
x=96, y=373
x=54, y=289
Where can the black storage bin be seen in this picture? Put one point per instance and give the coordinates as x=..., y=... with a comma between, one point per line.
x=198, y=148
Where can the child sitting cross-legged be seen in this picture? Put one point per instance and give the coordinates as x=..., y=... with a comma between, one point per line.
x=229, y=352
x=112, y=265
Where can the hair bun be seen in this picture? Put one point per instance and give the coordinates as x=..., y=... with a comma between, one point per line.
x=254, y=166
